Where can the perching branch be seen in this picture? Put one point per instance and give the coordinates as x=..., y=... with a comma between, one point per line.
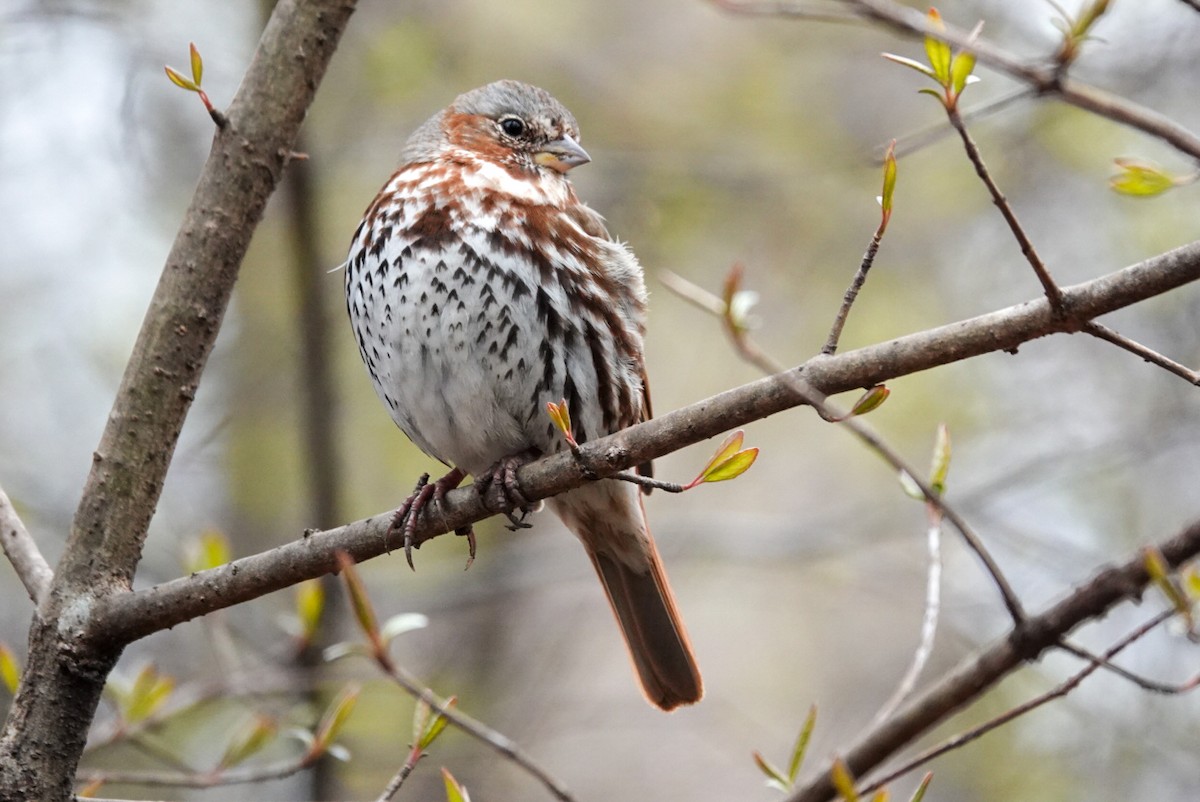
x=127, y=617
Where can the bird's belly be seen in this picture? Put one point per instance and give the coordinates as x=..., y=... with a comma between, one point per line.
x=460, y=363
x=458, y=404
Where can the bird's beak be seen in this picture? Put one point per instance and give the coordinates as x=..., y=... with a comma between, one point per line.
x=562, y=154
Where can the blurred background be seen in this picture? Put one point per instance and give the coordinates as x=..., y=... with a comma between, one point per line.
x=715, y=139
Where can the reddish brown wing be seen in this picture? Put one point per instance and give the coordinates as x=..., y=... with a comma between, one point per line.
x=593, y=223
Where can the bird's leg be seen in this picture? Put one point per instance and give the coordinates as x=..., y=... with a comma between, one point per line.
x=405, y=519
x=503, y=475
x=404, y=512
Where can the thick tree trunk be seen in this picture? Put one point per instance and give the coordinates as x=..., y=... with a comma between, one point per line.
x=69, y=656
x=48, y=725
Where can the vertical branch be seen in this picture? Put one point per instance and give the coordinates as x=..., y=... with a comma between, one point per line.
x=185, y=314
x=860, y=278
x=317, y=396
x=929, y=621
x=318, y=427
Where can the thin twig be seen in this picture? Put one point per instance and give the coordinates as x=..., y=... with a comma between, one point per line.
x=916, y=140
x=1053, y=293
x=476, y=729
x=933, y=596
x=398, y=778
x=1011, y=602
x=809, y=10
x=750, y=351
x=692, y=292
x=1153, y=357
x=1045, y=79
x=860, y=278
x=142, y=743
x=1146, y=684
x=20, y=549
x=648, y=481
x=1009, y=715
x=204, y=779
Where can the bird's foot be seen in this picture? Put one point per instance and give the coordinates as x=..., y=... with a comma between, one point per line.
x=511, y=500
x=405, y=519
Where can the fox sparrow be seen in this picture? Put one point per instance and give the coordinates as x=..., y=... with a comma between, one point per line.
x=480, y=288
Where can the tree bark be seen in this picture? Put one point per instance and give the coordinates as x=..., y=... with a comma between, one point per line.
x=68, y=659
x=134, y=615
x=1025, y=644
x=90, y=612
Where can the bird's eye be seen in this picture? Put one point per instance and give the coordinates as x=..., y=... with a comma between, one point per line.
x=513, y=126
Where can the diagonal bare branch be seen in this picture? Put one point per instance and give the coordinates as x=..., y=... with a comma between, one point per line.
x=127, y=617
x=1094, y=598
x=1045, y=78
x=1059, y=691
x=1148, y=354
x=1053, y=293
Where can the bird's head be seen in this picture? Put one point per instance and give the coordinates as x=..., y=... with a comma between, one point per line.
x=508, y=123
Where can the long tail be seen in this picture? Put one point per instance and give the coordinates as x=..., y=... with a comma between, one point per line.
x=611, y=522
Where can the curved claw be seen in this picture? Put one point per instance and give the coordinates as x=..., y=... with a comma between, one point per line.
x=403, y=513
x=512, y=487
x=503, y=476
x=405, y=519
x=416, y=503
x=469, y=533
x=515, y=523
